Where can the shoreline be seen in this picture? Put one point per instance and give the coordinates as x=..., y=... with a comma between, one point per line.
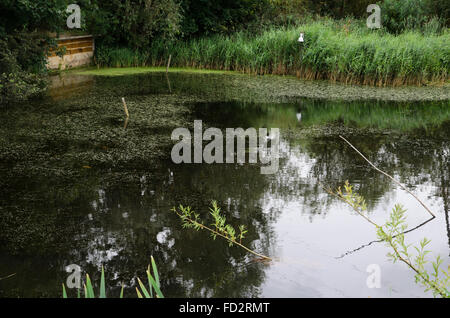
x=279, y=88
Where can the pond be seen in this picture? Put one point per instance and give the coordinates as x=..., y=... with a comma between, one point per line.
x=80, y=185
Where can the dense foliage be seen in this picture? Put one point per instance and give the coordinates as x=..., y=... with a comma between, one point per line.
x=23, y=45
x=15, y=83
x=132, y=23
x=425, y=15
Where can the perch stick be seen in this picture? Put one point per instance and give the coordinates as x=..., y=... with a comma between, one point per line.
x=125, y=107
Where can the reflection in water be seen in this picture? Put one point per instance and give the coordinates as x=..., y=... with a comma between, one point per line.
x=117, y=214
x=64, y=86
x=380, y=241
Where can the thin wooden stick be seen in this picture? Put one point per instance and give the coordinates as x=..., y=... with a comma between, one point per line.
x=168, y=63
x=390, y=177
x=125, y=107
x=379, y=241
x=2, y=278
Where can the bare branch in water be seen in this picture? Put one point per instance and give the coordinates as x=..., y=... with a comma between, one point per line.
x=9, y=276
x=380, y=241
x=389, y=176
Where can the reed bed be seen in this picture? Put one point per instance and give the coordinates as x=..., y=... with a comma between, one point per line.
x=331, y=51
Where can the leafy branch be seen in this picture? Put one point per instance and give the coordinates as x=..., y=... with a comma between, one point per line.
x=220, y=228
x=393, y=233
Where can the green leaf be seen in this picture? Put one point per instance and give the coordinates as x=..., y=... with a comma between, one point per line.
x=155, y=271
x=144, y=290
x=138, y=293
x=154, y=285
x=102, y=285
x=149, y=282
x=90, y=290
x=64, y=291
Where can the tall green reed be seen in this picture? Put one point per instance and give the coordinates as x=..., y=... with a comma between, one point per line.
x=345, y=52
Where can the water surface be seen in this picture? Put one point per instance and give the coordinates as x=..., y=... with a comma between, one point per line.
x=79, y=188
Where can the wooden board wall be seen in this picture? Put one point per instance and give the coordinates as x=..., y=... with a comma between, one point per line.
x=75, y=44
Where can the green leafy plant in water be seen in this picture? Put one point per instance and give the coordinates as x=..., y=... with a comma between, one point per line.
x=220, y=227
x=89, y=289
x=393, y=233
x=142, y=292
x=153, y=283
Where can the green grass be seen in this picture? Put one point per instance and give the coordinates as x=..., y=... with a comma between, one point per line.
x=335, y=51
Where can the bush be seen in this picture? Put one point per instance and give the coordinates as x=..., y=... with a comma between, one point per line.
x=15, y=83
x=20, y=86
x=23, y=48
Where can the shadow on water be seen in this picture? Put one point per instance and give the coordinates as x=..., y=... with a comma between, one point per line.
x=78, y=188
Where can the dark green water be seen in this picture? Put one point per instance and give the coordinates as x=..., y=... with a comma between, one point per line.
x=79, y=188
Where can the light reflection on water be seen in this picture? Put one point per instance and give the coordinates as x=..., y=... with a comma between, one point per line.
x=120, y=223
